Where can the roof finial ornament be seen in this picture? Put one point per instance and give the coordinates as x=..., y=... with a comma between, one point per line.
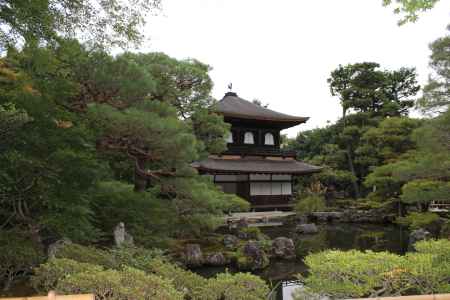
x=230, y=87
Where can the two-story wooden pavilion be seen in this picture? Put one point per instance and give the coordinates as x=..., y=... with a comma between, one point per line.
x=254, y=167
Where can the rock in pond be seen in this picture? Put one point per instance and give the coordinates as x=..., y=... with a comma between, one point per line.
x=417, y=235
x=230, y=241
x=193, y=255
x=283, y=247
x=307, y=228
x=216, y=259
x=253, y=258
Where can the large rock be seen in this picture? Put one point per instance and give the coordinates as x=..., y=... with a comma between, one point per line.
x=307, y=228
x=253, y=257
x=121, y=236
x=216, y=259
x=417, y=235
x=193, y=255
x=56, y=246
x=283, y=247
x=230, y=241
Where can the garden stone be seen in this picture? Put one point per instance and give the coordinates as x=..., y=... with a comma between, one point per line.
x=417, y=235
x=230, y=241
x=216, y=259
x=193, y=255
x=121, y=236
x=254, y=257
x=307, y=228
x=56, y=246
x=283, y=247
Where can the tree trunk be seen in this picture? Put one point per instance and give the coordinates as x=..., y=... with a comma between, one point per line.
x=352, y=170
x=140, y=182
x=349, y=159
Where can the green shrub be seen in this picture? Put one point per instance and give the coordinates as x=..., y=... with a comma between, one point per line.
x=137, y=273
x=354, y=273
x=86, y=254
x=349, y=274
x=367, y=204
x=417, y=220
x=18, y=255
x=191, y=284
x=118, y=285
x=47, y=275
x=252, y=233
x=135, y=257
x=310, y=204
x=242, y=286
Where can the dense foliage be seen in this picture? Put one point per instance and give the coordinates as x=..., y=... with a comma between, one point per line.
x=82, y=140
x=375, y=151
x=90, y=139
x=126, y=273
x=103, y=23
x=372, y=274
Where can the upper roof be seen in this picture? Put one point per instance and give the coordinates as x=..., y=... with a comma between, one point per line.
x=233, y=106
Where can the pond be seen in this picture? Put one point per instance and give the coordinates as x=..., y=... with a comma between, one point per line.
x=281, y=273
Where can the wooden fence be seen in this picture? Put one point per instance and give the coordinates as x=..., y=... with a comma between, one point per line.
x=52, y=296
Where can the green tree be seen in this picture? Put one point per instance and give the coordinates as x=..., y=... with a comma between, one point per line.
x=410, y=9
x=97, y=22
x=350, y=274
x=436, y=93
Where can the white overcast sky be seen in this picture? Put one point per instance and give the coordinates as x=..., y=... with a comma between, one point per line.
x=282, y=52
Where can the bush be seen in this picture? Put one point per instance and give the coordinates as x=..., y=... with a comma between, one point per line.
x=114, y=258
x=47, y=275
x=310, y=204
x=242, y=286
x=417, y=220
x=118, y=285
x=368, y=274
x=191, y=284
x=137, y=273
x=18, y=256
x=86, y=254
x=135, y=257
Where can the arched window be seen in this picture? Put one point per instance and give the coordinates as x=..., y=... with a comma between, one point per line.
x=229, y=138
x=268, y=139
x=248, y=138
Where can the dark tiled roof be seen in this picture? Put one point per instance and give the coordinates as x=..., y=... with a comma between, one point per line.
x=233, y=106
x=255, y=165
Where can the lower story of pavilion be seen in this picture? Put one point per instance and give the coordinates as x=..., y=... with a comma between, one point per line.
x=266, y=183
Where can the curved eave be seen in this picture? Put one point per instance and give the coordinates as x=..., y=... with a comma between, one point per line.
x=291, y=121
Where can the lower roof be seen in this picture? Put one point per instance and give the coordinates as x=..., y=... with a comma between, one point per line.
x=255, y=165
